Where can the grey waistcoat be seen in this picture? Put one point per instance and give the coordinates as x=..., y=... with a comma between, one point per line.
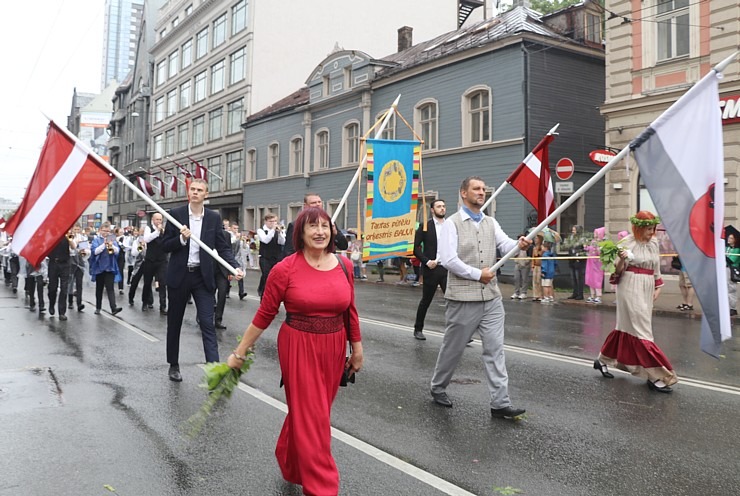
x=477, y=248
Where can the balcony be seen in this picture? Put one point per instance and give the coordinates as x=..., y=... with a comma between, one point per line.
x=114, y=143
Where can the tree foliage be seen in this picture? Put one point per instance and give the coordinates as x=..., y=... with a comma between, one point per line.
x=550, y=6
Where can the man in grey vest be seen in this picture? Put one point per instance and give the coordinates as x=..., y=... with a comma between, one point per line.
x=467, y=249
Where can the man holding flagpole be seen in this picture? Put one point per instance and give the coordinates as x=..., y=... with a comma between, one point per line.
x=191, y=272
x=467, y=248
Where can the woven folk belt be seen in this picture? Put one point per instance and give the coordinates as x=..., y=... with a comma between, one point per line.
x=317, y=325
x=640, y=270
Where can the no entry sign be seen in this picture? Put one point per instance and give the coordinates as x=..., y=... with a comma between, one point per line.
x=564, y=169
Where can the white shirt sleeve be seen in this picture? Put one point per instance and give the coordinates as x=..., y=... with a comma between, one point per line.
x=266, y=235
x=150, y=234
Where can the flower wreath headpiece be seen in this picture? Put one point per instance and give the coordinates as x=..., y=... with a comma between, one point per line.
x=644, y=222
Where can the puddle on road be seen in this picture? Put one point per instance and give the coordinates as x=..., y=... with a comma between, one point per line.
x=28, y=389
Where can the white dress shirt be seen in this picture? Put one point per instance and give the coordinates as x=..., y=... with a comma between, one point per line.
x=196, y=226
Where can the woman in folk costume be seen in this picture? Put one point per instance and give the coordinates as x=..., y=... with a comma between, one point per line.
x=318, y=295
x=594, y=271
x=630, y=347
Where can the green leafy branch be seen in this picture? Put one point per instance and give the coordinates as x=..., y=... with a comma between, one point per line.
x=220, y=380
x=608, y=254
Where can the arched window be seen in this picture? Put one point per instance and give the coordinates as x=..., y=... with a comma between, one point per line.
x=477, y=116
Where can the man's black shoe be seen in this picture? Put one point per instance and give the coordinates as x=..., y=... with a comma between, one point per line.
x=150, y=306
x=62, y=317
x=32, y=308
x=51, y=309
x=71, y=306
x=97, y=311
x=578, y=298
x=130, y=302
x=219, y=325
x=571, y=297
x=507, y=412
x=162, y=311
x=419, y=335
x=442, y=399
x=81, y=307
x=174, y=373
x=242, y=295
x=116, y=310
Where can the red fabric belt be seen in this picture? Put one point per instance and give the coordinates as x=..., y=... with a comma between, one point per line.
x=640, y=270
x=317, y=325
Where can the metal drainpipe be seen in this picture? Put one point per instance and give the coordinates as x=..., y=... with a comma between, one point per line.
x=526, y=97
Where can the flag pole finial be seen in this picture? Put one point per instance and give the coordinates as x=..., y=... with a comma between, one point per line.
x=554, y=129
x=719, y=68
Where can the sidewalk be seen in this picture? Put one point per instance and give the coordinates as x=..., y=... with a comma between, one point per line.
x=665, y=305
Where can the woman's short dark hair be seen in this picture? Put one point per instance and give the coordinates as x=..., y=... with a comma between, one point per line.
x=308, y=216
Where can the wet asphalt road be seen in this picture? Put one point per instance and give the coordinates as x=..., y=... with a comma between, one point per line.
x=106, y=413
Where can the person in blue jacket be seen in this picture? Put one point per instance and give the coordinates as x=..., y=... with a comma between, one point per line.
x=549, y=264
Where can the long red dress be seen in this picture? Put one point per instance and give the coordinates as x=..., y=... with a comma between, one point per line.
x=311, y=365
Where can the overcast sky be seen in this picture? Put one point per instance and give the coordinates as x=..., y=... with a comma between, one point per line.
x=49, y=48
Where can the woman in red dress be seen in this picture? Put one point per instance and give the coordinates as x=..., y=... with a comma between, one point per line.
x=312, y=343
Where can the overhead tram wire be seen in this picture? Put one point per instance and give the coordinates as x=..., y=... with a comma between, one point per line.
x=43, y=47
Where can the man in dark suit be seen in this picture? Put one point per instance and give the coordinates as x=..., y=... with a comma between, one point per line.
x=191, y=272
x=314, y=200
x=425, y=249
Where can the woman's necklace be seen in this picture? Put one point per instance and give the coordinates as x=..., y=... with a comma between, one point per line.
x=314, y=263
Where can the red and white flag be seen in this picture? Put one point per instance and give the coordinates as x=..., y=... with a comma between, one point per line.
x=159, y=184
x=67, y=179
x=680, y=157
x=144, y=185
x=173, y=184
x=532, y=179
x=201, y=172
x=182, y=169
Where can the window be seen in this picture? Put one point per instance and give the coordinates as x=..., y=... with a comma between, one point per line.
x=198, y=124
x=348, y=77
x=182, y=137
x=200, y=87
x=163, y=33
x=477, y=122
x=217, y=77
x=426, y=124
x=593, y=28
x=187, y=53
x=251, y=165
x=234, y=162
x=673, y=29
x=172, y=62
x=234, y=117
x=158, y=109
x=390, y=129
x=322, y=150
x=188, y=10
x=175, y=22
x=185, y=95
x=214, y=124
x=325, y=86
x=161, y=73
x=273, y=168
x=214, y=171
x=237, y=66
x=157, y=147
x=219, y=31
x=172, y=102
x=296, y=155
x=351, y=151
x=239, y=17
x=169, y=142
x=201, y=44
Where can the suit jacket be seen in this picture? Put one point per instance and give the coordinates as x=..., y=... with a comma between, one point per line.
x=340, y=240
x=425, y=243
x=211, y=234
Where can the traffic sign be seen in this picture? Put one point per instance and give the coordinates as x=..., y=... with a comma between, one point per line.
x=564, y=168
x=566, y=187
x=601, y=157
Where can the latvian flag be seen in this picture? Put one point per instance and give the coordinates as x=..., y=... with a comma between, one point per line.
x=67, y=179
x=532, y=179
x=144, y=185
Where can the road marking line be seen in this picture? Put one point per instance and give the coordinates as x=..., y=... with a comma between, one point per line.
x=697, y=383
x=415, y=472
x=131, y=328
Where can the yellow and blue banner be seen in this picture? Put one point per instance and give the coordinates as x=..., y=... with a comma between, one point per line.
x=392, y=196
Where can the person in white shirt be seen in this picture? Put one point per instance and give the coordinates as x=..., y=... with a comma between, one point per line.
x=272, y=239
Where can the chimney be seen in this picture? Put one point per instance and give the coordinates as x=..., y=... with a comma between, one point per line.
x=405, y=38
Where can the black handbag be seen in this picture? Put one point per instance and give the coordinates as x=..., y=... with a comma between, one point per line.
x=676, y=263
x=346, y=378
x=735, y=274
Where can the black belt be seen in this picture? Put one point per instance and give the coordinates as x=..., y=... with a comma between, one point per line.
x=193, y=268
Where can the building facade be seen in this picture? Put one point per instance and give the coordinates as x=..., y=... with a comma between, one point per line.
x=120, y=32
x=480, y=98
x=657, y=49
x=129, y=126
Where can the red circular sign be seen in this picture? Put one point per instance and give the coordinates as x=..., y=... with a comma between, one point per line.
x=564, y=168
x=601, y=157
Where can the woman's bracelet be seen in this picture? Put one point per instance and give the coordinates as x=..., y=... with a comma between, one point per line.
x=238, y=356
